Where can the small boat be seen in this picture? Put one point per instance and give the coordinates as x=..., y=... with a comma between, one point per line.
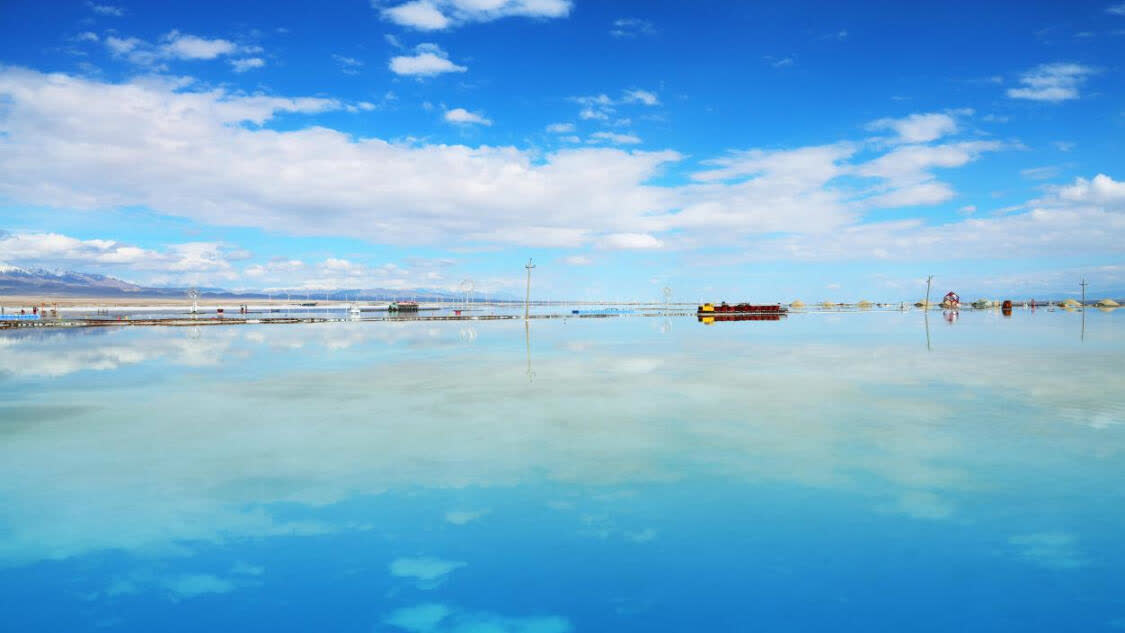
x=403, y=306
x=709, y=309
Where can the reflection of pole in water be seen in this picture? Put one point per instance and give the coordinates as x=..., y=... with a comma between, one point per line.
x=926, y=311
x=527, y=342
x=926, y=318
x=1083, y=335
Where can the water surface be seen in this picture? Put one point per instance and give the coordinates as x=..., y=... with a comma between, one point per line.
x=824, y=472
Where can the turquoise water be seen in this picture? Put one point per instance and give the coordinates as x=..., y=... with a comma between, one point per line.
x=823, y=472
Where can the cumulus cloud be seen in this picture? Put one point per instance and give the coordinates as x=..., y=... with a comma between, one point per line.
x=249, y=63
x=54, y=249
x=560, y=128
x=461, y=116
x=1052, y=82
x=190, y=153
x=437, y=15
x=641, y=96
x=1116, y=9
x=428, y=60
x=186, y=46
x=1087, y=216
x=180, y=46
x=917, y=128
x=210, y=155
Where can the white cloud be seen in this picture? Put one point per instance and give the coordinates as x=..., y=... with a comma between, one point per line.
x=243, y=65
x=1052, y=82
x=462, y=116
x=106, y=9
x=1040, y=173
x=275, y=267
x=121, y=46
x=306, y=181
x=348, y=65
x=630, y=241
x=587, y=114
x=1116, y=9
x=87, y=36
x=419, y=14
x=613, y=137
x=1087, y=216
x=54, y=249
x=187, y=151
x=907, y=179
x=641, y=96
x=968, y=209
x=917, y=128
x=577, y=260
x=428, y=60
x=436, y=15
x=560, y=128
x=599, y=107
x=181, y=46
x=632, y=27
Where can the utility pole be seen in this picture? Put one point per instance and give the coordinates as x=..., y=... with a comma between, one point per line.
x=1083, y=284
x=527, y=298
x=926, y=312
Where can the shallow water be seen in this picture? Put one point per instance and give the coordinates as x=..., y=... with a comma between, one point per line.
x=824, y=472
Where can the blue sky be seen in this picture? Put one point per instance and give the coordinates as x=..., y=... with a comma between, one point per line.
x=729, y=150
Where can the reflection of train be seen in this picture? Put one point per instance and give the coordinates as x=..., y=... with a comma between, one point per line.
x=709, y=318
x=709, y=309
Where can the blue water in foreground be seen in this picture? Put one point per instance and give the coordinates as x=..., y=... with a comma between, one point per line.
x=827, y=472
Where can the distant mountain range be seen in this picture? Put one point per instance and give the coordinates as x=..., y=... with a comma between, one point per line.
x=68, y=283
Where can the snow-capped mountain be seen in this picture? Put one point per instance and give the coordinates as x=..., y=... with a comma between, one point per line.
x=39, y=281
x=15, y=280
